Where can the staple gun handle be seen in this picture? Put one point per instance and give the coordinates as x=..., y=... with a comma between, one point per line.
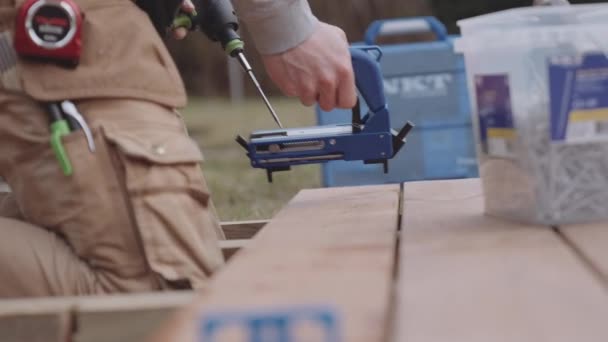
x=368, y=78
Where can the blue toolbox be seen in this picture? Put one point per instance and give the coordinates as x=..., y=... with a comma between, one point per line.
x=424, y=83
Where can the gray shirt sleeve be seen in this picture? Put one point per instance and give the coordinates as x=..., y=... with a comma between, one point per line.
x=277, y=25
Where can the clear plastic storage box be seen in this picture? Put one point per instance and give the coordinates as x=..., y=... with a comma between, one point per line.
x=538, y=78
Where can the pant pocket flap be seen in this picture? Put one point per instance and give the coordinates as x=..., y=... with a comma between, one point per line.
x=156, y=146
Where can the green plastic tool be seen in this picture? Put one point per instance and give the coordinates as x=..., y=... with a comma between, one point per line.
x=59, y=129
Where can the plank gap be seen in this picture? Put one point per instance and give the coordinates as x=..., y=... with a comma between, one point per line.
x=73, y=323
x=389, y=332
x=401, y=207
x=331, y=248
x=466, y=276
x=584, y=259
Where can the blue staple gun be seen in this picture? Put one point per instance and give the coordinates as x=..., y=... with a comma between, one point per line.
x=369, y=138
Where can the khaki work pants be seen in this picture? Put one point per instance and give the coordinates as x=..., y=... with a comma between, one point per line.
x=134, y=216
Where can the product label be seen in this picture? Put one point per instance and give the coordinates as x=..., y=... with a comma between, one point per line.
x=579, y=98
x=433, y=85
x=497, y=130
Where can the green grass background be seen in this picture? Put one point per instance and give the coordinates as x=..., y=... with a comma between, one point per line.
x=239, y=191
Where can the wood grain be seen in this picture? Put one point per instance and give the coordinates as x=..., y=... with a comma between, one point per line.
x=331, y=247
x=467, y=277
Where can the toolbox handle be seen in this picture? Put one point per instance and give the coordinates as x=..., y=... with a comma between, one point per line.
x=368, y=77
x=393, y=27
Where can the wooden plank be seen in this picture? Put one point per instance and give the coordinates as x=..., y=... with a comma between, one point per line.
x=467, y=277
x=88, y=319
x=333, y=247
x=51, y=327
x=242, y=230
x=35, y=320
x=130, y=318
x=590, y=241
x=230, y=247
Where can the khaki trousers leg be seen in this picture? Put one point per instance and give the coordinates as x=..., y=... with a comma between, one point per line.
x=80, y=234
x=37, y=262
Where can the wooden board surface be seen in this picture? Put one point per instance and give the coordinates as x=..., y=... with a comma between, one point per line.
x=131, y=317
x=231, y=247
x=591, y=242
x=50, y=327
x=36, y=320
x=467, y=277
x=333, y=247
x=88, y=319
x=242, y=230
x=123, y=325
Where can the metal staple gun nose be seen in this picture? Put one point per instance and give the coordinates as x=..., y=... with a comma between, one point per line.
x=369, y=138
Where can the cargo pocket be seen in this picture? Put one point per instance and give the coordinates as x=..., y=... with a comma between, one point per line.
x=46, y=196
x=70, y=205
x=169, y=199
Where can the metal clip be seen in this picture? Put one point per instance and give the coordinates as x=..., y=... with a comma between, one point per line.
x=69, y=109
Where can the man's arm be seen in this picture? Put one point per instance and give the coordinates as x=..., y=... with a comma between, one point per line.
x=305, y=58
x=277, y=25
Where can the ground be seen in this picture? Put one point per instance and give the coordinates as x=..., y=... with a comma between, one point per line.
x=239, y=191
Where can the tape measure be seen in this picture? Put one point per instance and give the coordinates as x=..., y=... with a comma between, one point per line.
x=49, y=30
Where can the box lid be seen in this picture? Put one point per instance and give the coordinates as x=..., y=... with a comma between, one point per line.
x=534, y=17
x=421, y=58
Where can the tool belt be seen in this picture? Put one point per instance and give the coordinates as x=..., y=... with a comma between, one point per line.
x=122, y=57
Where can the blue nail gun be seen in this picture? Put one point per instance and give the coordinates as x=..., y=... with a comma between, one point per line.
x=369, y=138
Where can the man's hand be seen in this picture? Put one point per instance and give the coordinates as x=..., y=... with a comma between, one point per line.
x=318, y=70
x=181, y=32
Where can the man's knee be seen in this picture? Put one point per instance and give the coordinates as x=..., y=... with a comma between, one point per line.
x=36, y=262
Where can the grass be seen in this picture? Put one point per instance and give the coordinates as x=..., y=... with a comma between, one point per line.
x=239, y=191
